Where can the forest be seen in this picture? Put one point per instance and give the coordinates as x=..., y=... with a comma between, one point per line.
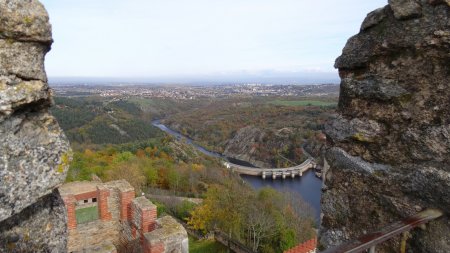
x=269, y=130
x=166, y=166
x=93, y=121
x=114, y=139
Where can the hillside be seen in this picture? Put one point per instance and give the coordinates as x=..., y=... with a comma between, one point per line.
x=113, y=139
x=263, y=131
x=89, y=121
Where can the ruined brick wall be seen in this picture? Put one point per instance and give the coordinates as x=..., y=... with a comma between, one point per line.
x=107, y=230
x=126, y=223
x=103, y=209
x=168, y=237
x=143, y=216
x=126, y=197
x=69, y=202
x=123, y=219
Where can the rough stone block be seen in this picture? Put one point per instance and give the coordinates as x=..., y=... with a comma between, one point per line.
x=373, y=18
x=34, y=153
x=14, y=97
x=34, y=160
x=389, y=149
x=404, y=9
x=23, y=59
x=25, y=20
x=41, y=227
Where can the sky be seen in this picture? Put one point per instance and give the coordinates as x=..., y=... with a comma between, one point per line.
x=202, y=40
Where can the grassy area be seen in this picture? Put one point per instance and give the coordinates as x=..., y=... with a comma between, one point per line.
x=87, y=214
x=205, y=246
x=302, y=103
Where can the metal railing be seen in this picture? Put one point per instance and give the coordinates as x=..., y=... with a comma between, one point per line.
x=370, y=241
x=231, y=243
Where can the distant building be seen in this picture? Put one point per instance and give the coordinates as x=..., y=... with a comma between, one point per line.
x=106, y=217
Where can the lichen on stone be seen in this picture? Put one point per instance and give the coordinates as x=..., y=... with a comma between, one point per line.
x=389, y=144
x=34, y=152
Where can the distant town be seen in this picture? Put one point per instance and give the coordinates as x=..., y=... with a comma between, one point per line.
x=197, y=91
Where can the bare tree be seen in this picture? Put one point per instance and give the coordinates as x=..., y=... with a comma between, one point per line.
x=259, y=224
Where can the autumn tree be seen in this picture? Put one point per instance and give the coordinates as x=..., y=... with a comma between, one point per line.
x=130, y=172
x=266, y=221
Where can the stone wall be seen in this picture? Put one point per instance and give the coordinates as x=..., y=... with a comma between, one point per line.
x=389, y=144
x=107, y=229
x=34, y=151
x=124, y=221
x=93, y=234
x=168, y=237
x=143, y=217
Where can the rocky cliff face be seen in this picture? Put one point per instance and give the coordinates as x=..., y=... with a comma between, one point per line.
x=243, y=146
x=390, y=141
x=259, y=146
x=34, y=153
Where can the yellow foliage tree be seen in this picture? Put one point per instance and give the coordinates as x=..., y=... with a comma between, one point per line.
x=88, y=153
x=200, y=218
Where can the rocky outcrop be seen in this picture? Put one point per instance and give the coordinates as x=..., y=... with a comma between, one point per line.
x=34, y=153
x=390, y=141
x=243, y=146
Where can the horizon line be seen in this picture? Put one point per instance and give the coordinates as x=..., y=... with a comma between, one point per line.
x=304, y=79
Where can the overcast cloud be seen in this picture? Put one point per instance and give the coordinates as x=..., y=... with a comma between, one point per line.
x=175, y=39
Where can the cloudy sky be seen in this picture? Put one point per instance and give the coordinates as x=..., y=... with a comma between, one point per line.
x=179, y=40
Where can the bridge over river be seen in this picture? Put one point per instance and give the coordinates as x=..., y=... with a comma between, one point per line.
x=273, y=172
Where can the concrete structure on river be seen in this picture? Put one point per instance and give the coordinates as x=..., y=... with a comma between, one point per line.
x=273, y=172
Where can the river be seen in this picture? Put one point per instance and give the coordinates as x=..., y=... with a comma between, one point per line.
x=308, y=186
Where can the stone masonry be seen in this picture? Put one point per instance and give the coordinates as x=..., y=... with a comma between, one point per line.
x=124, y=223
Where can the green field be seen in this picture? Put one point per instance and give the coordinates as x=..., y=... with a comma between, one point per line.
x=87, y=214
x=302, y=103
x=205, y=246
